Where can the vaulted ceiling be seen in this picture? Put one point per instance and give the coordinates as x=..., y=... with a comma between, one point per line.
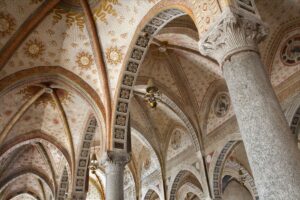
x=60, y=65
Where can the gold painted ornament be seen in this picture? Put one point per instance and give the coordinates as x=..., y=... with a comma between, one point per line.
x=34, y=48
x=114, y=55
x=84, y=60
x=7, y=24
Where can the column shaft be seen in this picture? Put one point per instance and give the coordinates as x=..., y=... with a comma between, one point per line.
x=114, y=171
x=270, y=146
x=114, y=182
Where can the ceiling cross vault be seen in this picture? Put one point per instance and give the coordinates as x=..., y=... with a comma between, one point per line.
x=73, y=75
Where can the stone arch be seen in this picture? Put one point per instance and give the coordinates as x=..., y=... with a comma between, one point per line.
x=64, y=78
x=177, y=180
x=232, y=169
x=189, y=188
x=63, y=186
x=57, y=74
x=218, y=165
x=32, y=137
x=81, y=178
x=130, y=71
x=151, y=194
x=23, y=171
x=36, y=136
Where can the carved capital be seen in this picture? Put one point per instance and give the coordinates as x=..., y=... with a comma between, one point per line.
x=115, y=161
x=233, y=32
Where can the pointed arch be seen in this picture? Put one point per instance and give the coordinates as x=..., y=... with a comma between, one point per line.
x=23, y=171
x=179, y=181
x=151, y=195
x=129, y=73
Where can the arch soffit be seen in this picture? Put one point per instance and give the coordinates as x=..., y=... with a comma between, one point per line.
x=84, y=154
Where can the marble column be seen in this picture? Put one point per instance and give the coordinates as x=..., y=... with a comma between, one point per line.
x=114, y=170
x=270, y=146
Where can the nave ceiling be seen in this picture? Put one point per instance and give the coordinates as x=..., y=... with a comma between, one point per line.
x=43, y=119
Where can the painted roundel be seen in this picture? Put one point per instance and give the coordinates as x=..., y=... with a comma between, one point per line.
x=221, y=104
x=290, y=53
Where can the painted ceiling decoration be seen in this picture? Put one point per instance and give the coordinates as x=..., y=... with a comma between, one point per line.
x=73, y=77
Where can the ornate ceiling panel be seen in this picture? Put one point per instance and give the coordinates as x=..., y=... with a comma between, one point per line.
x=271, y=13
x=44, y=117
x=116, y=35
x=58, y=160
x=162, y=119
x=198, y=77
x=179, y=142
x=10, y=104
x=214, y=119
x=157, y=67
x=77, y=111
x=288, y=48
x=55, y=42
x=25, y=183
x=31, y=120
x=12, y=14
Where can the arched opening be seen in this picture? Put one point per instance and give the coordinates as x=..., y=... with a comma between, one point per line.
x=151, y=195
x=184, y=178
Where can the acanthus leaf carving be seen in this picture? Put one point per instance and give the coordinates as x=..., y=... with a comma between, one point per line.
x=233, y=32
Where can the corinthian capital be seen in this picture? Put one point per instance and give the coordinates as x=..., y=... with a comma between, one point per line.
x=232, y=33
x=115, y=161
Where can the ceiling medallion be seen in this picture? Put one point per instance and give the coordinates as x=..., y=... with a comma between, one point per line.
x=290, y=53
x=84, y=60
x=113, y=55
x=221, y=104
x=34, y=48
x=7, y=24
